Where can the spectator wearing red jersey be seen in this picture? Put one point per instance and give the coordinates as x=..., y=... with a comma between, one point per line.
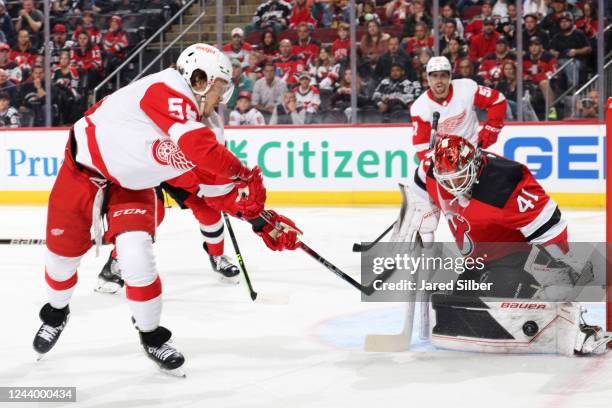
x=421, y=39
x=342, y=45
x=305, y=48
x=288, y=65
x=396, y=11
x=588, y=23
x=538, y=66
x=491, y=68
x=66, y=79
x=475, y=27
x=238, y=48
x=301, y=13
x=87, y=26
x=307, y=97
x=114, y=44
x=484, y=43
x=87, y=58
x=13, y=71
x=23, y=54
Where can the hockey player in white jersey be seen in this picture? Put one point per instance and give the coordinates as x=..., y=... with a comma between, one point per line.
x=124, y=146
x=455, y=100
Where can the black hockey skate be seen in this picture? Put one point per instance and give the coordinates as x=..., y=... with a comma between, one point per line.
x=228, y=272
x=156, y=345
x=109, y=279
x=54, y=321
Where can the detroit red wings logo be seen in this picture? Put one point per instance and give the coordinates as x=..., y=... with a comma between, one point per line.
x=166, y=153
x=449, y=125
x=460, y=227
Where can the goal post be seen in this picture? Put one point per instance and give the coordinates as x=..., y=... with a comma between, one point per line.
x=608, y=118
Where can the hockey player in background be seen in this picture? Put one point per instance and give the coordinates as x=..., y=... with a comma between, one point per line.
x=126, y=145
x=455, y=100
x=498, y=213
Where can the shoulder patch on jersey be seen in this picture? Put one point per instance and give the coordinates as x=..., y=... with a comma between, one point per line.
x=498, y=181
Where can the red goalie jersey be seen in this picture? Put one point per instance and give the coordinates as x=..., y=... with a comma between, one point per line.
x=457, y=116
x=508, y=210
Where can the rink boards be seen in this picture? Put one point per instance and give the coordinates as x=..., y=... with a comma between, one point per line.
x=340, y=165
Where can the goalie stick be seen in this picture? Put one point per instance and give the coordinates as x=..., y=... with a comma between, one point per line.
x=255, y=297
x=358, y=247
x=401, y=341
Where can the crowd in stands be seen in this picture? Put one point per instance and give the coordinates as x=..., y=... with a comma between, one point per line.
x=89, y=40
x=292, y=63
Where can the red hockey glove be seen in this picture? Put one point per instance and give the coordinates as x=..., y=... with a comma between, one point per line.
x=488, y=135
x=280, y=232
x=247, y=200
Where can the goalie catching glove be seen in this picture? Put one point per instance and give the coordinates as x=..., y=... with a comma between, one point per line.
x=277, y=231
x=247, y=199
x=559, y=274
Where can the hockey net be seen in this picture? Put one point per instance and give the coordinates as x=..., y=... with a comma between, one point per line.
x=609, y=216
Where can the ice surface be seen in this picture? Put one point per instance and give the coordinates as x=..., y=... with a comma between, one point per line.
x=240, y=354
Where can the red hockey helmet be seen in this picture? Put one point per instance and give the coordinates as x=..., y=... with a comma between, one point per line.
x=456, y=164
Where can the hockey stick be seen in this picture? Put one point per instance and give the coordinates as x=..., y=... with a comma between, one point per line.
x=255, y=297
x=365, y=289
x=396, y=342
x=22, y=241
x=357, y=247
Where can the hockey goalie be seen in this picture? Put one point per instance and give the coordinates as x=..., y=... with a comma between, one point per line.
x=495, y=208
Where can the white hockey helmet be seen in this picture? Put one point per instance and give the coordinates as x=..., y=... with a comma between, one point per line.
x=438, y=64
x=214, y=63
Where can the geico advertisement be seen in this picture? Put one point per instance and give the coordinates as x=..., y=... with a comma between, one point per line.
x=564, y=158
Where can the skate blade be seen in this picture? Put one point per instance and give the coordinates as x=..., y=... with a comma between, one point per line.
x=177, y=372
x=107, y=287
x=234, y=280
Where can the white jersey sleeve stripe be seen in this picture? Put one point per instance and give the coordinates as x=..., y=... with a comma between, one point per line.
x=553, y=232
x=214, y=190
x=542, y=218
x=179, y=129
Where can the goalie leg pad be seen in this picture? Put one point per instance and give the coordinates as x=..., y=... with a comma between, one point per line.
x=493, y=325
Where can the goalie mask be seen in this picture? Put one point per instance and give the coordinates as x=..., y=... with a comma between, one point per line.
x=456, y=164
x=212, y=62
